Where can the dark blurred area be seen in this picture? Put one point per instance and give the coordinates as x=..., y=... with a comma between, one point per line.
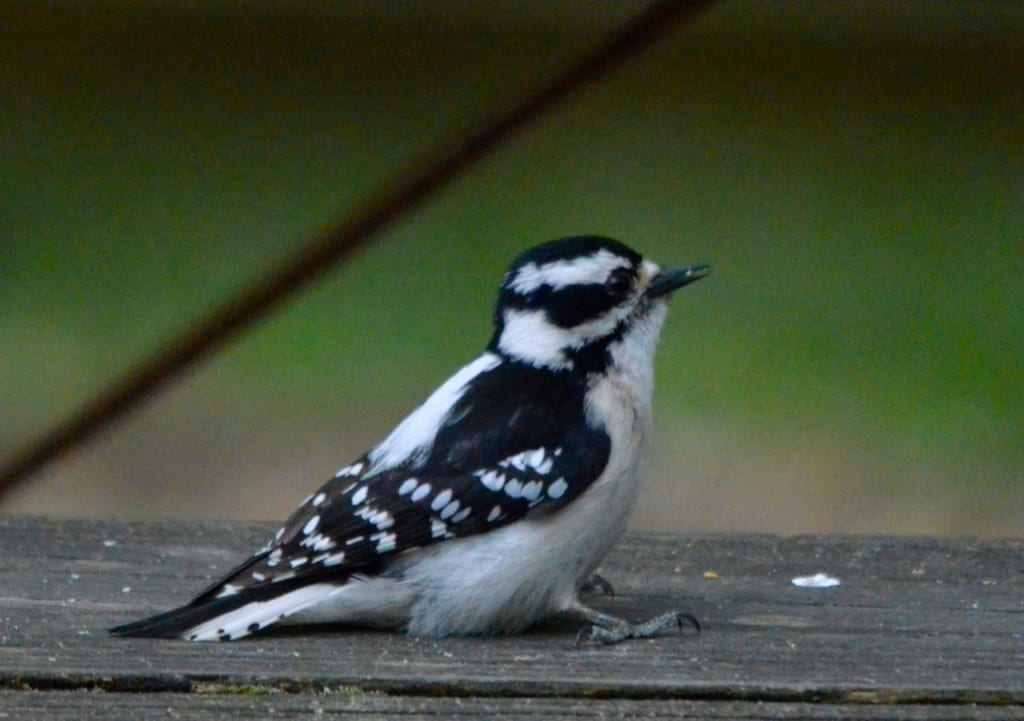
x=854, y=171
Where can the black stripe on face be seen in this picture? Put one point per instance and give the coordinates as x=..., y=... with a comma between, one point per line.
x=574, y=305
x=578, y=304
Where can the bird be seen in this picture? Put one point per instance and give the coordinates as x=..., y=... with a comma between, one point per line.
x=490, y=506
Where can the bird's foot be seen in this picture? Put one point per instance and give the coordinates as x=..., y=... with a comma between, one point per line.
x=607, y=629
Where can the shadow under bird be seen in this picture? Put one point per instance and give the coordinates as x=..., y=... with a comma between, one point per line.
x=489, y=507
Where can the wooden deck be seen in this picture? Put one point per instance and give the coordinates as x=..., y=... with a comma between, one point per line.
x=917, y=629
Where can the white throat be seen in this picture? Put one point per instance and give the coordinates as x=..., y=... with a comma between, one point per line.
x=633, y=354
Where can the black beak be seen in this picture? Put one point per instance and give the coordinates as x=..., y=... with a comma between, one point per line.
x=673, y=279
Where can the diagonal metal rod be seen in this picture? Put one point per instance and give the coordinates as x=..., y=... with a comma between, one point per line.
x=387, y=205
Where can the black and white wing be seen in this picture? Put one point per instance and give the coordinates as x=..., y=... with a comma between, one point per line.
x=512, y=445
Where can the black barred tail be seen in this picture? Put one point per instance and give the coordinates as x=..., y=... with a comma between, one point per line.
x=228, y=617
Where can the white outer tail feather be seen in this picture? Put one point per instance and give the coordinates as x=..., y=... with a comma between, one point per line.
x=237, y=623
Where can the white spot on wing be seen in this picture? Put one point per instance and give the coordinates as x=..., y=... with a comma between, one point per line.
x=311, y=525
x=360, y=495
x=385, y=541
x=461, y=515
x=558, y=488
x=492, y=480
x=531, y=491
x=319, y=498
x=449, y=510
x=493, y=515
x=407, y=486
x=319, y=542
x=334, y=559
x=420, y=493
x=354, y=470
x=379, y=518
x=442, y=499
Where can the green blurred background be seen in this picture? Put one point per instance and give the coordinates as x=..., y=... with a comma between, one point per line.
x=854, y=172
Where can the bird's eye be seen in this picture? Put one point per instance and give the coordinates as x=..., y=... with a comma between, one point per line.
x=619, y=283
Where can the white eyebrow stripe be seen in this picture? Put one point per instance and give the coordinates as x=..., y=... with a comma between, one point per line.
x=562, y=273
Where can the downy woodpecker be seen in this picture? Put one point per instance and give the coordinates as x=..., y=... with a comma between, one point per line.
x=490, y=506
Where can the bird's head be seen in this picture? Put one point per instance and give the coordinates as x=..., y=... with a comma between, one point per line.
x=563, y=304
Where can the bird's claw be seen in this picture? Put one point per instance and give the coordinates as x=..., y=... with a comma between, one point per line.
x=623, y=630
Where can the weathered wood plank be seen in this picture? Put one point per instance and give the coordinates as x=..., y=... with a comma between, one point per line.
x=211, y=705
x=915, y=621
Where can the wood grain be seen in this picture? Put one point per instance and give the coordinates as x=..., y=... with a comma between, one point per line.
x=927, y=628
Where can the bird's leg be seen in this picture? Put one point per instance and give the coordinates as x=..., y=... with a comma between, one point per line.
x=609, y=629
x=597, y=582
